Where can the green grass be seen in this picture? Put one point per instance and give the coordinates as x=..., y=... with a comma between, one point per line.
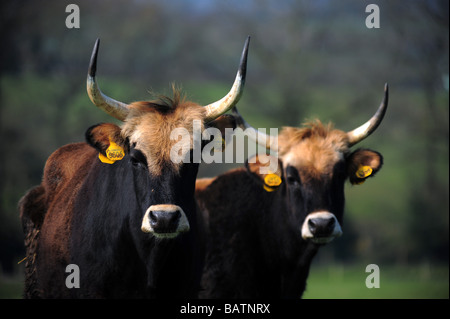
x=396, y=282
x=11, y=287
x=337, y=281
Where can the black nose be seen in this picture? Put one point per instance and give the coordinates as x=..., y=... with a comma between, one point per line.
x=164, y=221
x=321, y=226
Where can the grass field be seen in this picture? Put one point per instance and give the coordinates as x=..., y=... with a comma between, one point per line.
x=11, y=287
x=342, y=282
x=396, y=282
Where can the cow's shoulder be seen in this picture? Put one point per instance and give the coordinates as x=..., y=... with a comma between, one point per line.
x=66, y=163
x=61, y=166
x=229, y=197
x=202, y=183
x=207, y=189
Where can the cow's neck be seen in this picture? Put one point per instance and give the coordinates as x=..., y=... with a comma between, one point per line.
x=294, y=253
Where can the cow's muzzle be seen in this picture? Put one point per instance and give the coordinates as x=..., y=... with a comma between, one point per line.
x=165, y=221
x=321, y=227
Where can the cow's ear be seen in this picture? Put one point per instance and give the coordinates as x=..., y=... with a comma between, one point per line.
x=267, y=170
x=221, y=123
x=362, y=164
x=107, y=140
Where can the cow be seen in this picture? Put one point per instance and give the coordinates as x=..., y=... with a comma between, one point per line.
x=115, y=217
x=264, y=227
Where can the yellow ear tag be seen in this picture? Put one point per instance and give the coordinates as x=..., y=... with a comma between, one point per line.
x=269, y=189
x=104, y=159
x=363, y=171
x=271, y=181
x=113, y=153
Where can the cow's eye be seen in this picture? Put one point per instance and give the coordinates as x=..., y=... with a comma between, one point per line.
x=137, y=157
x=292, y=176
x=293, y=180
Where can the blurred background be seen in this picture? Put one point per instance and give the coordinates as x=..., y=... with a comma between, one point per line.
x=307, y=59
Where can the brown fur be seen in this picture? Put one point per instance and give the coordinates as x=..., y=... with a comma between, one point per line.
x=363, y=157
x=263, y=161
x=255, y=243
x=149, y=125
x=104, y=134
x=45, y=212
x=315, y=148
x=202, y=183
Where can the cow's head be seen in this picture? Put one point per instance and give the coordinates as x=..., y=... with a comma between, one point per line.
x=143, y=144
x=316, y=160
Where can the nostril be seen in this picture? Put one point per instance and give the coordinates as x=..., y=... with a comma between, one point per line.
x=175, y=216
x=312, y=223
x=330, y=225
x=153, y=218
x=321, y=226
x=164, y=221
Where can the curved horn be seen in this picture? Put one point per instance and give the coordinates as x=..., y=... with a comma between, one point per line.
x=114, y=108
x=360, y=133
x=257, y=136
x=214, y=110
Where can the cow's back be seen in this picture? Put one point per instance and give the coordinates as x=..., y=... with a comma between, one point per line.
x=227, y=204
x=45, y=213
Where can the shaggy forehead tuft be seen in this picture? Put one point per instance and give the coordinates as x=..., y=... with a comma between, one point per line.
x=313, y=149
x=149, y=125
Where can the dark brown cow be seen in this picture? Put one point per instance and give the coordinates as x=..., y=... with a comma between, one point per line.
x=118, y=207
x=264, y=228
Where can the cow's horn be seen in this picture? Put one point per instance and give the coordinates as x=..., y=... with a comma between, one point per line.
x=360, y=133
x=117, y=109
x=257, y=136
x=214, y=110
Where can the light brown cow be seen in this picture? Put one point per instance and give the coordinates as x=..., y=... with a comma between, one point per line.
x=265, y=228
